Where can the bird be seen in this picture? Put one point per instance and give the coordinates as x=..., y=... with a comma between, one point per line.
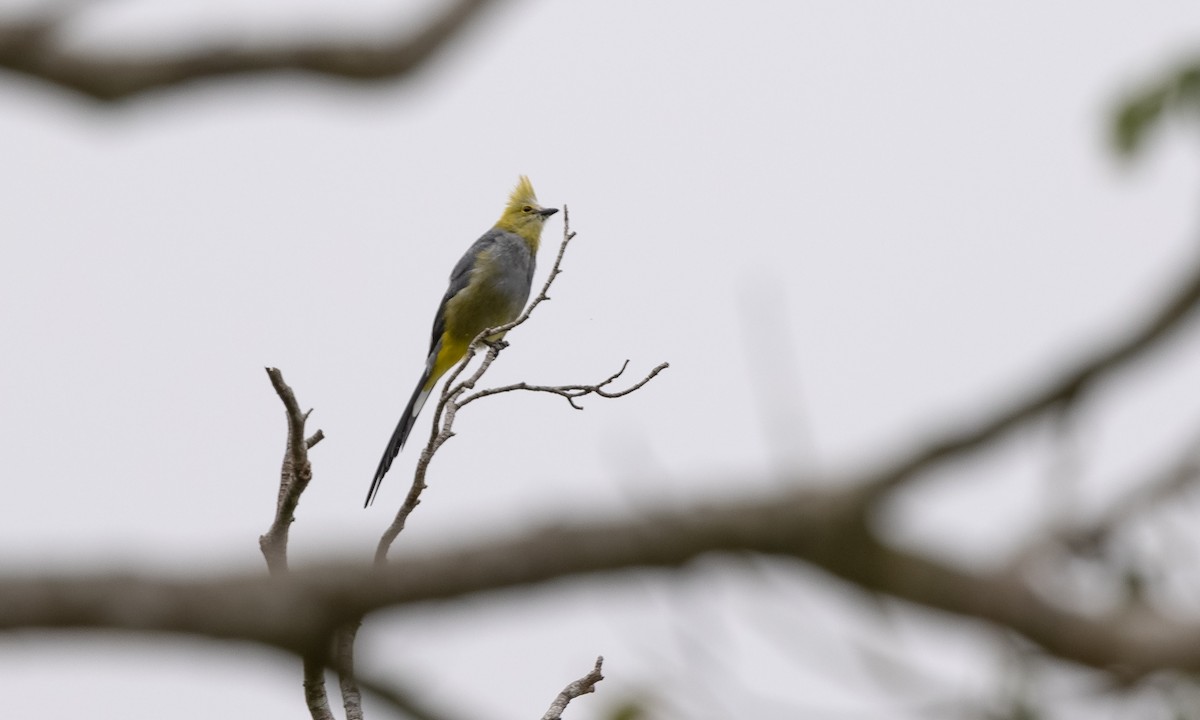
x=488, y=288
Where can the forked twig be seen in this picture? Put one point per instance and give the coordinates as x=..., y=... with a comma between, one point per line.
x=571, y=392
x=294, y=477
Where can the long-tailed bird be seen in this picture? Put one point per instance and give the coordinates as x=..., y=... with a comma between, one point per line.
x=488, y=288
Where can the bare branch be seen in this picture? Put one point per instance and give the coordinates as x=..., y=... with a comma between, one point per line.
x=33, y=48
x=443, y=422
x=571, y=392
x=582, y=686
x=293, y=477
x=343, y=658
x=315, y=697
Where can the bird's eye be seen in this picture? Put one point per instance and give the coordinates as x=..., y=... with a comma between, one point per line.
x=527, y=208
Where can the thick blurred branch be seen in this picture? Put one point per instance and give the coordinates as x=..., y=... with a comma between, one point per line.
x=34, y=48
x=298, y=612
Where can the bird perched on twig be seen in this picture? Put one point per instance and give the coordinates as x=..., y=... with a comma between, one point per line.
x=488, y=288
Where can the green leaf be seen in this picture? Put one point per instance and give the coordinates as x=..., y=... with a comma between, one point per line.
x=1144, y=109
x=1135, y=118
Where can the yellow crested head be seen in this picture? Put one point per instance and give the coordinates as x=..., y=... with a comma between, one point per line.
x=523, y=215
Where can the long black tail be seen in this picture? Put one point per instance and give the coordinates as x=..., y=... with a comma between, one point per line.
x=403, y=428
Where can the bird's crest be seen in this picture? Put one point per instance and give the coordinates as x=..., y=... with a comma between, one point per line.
x=523, y=215
x=522, y=194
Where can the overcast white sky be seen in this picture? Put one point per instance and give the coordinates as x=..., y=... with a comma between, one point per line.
x=915, y=202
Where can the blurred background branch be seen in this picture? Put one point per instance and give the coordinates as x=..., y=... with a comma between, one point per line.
x=33, y=47
x=824, y=528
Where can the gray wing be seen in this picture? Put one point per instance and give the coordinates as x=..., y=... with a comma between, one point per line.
x=460, y=276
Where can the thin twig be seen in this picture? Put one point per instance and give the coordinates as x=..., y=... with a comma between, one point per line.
x=343, y=658
x=440, y=436
x=582, y=686
x=571, y=392
x=315, y=697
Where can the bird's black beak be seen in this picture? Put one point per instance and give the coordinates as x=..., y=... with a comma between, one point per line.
x=547, y=212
